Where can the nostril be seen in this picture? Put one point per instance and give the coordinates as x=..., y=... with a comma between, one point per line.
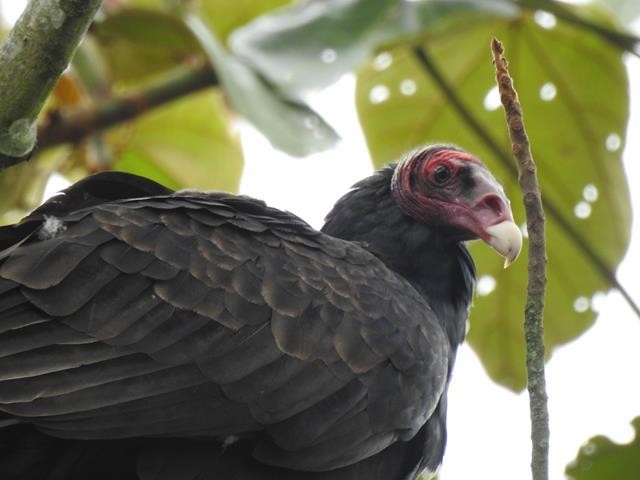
x=493, y=203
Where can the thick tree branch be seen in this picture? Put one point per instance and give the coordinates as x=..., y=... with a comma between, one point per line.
x=536, y=286
x=72, y=126
x=504, y=158
x=32, y=58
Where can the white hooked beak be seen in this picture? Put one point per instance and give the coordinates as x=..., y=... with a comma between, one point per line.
x=506, y=239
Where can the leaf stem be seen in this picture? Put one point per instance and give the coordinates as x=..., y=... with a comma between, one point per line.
x=77, y=124
x=533, y=325
x=621, y=39
x=554, y=211
x=32, y=58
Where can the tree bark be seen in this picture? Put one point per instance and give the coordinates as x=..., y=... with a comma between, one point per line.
x=33, y=56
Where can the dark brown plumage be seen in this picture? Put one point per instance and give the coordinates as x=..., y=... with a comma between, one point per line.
x=158, y=335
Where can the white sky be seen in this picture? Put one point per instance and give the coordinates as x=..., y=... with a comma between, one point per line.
x=592, y=382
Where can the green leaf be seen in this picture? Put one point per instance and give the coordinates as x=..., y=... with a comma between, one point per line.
x=139, y=43
x=627, y=11
x=219, y=13
x=592, y=16
x=600, y=459
x=574, y=92
x=184, y=144
x=311, y=44
x=330, y=38
x=289, y=125
x=225, y=19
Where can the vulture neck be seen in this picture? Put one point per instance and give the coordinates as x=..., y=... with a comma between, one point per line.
x=432, y=259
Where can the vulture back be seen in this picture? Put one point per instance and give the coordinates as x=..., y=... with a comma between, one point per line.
x=153, y=334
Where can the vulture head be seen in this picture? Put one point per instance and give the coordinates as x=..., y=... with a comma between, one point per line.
x=453, y=190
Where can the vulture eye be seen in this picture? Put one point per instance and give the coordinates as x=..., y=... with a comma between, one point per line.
x=441, y=174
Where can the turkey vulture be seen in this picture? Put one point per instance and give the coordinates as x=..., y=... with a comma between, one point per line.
x=161, y=335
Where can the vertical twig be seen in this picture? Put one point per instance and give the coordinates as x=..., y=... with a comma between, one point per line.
x=537, y=267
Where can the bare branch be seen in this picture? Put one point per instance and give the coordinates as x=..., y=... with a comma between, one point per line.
x=73, y=126
x=534, y=308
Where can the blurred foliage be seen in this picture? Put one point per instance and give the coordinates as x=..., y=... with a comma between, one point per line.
x=138, y=43
x=627, y=11
x=577, y=135
x=198, y=152
x=223, y=16
x=338, y=36
x=269, y=54
x=289, y=124
x=601, y=459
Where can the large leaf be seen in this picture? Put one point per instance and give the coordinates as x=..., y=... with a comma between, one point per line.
x=223, y=15
x=311, y=44
x=184, y=144
x=147, y=37
x=288, y=124
x=225, y=19
x=573, y=88
x=138, y=43
x=601, y=459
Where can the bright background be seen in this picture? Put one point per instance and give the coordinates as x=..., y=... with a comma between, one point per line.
x=593, y=382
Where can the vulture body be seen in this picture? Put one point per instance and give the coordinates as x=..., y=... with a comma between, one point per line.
x=150, y=334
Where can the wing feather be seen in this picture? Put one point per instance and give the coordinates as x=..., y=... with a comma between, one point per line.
x=109, y=393
x=208, y=314
x=54, y=358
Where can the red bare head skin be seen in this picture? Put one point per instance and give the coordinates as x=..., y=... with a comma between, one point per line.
x=447, y=187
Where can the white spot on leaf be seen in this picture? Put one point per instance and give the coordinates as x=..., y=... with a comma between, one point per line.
x=378, y=94
x=597, y=301
x=548, y=92
x=311, y=122
x=589, y=448
x=613, y=142
x=408, y=87
x=329, y=55
x=492, y=99
x=486, y=285
x=582, y=210
x=382, y=61
x=581, y=304
x=545, y=19
x=590, y=192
